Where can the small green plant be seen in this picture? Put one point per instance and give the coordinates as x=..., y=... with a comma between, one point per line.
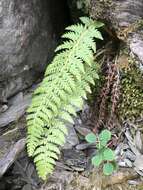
x=104, y=154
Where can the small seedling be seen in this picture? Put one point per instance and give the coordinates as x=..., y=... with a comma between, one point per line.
x=104, y=154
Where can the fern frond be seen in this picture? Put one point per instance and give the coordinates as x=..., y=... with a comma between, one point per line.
x=66, y=83
x=87, y=20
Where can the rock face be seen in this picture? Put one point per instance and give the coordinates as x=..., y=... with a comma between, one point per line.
x=29, y=31
x=78, y=8
x=125, y=18
x=28, y=36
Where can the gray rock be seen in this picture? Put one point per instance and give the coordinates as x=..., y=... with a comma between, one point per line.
x=82, y=130
x=11, y=156
x=139, y=162
x=128, y=163
x=28, y=36
x=123, y=16
x=72, y=139
x=75, y=159
x=130, y=155
x=133, y=182
x=82, y=146
x=136, y=46
x=27, y=187
x=18, y=105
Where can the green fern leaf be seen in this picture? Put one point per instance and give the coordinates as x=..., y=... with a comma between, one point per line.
x=64, y=87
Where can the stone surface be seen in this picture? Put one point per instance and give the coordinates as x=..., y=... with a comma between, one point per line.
x=29, y=30
x=12, y=142
x=125, y=18
x=17, y=107
x=11, y=156
x=72, y=138
x=136, y=45
x=75, y=159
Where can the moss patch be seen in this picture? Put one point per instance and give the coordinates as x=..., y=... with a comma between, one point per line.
x=131, y=104
x=99, y=9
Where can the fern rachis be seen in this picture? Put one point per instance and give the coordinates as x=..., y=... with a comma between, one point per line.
x=65, y=84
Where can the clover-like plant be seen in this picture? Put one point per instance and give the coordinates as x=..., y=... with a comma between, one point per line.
x=104, y=154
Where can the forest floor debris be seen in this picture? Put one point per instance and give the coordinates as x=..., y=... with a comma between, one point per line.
x=74, y=169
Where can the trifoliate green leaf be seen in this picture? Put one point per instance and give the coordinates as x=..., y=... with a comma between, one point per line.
x=108, y=154
x=96, y=160
x=108, y=169
x=102, y=144
x=105, y=136
x=91, y=138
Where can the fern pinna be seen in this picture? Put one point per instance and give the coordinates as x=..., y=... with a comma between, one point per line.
x=65, y=84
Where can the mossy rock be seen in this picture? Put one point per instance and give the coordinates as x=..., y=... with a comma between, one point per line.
x=131, y=104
